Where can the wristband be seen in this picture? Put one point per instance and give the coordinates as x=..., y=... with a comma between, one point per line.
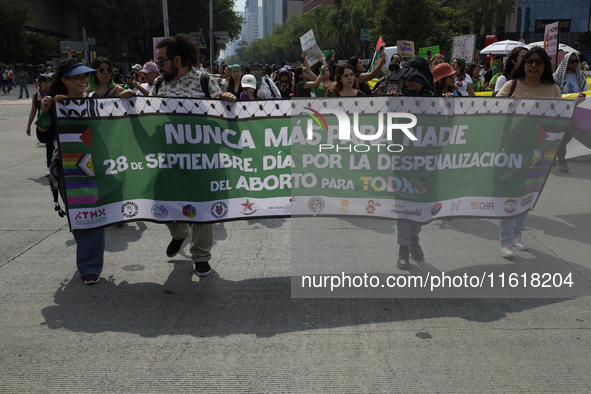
x=44, y=120
x=322, y=72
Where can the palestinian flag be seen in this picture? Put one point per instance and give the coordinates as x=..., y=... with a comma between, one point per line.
x=376, y=54
x=77, y=133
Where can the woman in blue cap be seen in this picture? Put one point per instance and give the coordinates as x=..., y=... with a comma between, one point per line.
x=71, y=81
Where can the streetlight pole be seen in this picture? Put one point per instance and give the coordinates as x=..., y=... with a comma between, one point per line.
x=165, y=16
x=211, y=49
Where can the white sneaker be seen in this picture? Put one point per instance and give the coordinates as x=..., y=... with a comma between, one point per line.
x=507, y=251
x=519, y=243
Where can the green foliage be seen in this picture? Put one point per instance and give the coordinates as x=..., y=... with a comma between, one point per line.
x=12, y=34
x=139, y=20
x=338, y=26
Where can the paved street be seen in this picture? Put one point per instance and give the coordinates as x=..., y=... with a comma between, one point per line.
x=151, y=326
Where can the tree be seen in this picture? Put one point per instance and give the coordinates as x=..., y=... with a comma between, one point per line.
x=12, y=35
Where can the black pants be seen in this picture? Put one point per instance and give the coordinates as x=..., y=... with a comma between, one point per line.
x=561, y=152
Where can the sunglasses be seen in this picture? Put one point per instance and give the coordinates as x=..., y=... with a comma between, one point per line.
x=105, y=70
x=538, y=62
x=573, y=61
x=160, y=63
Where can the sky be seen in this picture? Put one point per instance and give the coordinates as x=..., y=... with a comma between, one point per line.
x=239, y=5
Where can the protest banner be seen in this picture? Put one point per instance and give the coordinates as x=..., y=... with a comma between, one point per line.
x=166, y=159
x=311, y=49
x=406, y=49
x=464, y=48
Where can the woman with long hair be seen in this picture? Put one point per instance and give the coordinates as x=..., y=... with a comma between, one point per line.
x=513, y=61
x=477, y=79
x=102, y=82
x=532, y=78
x=346, y=83
x=71, y=81
x=360, y=74
x=445, y=81
x=327, y=81
x=234, y=85
x=463, y=80
x=305, y=80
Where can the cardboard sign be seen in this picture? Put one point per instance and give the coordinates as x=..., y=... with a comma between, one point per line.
x=406, y=49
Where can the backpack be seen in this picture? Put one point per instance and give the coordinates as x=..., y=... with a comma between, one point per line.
x=204, y=80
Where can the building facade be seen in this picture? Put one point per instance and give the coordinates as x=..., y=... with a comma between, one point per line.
x=311, y=5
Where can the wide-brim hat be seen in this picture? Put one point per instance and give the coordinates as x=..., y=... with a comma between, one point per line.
x=77, y=69
x=416, y=69
x=441, y=71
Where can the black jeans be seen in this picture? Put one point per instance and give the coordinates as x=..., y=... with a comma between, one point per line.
x=561, y=151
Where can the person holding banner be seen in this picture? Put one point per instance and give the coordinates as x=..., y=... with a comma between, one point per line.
x=346, y=85
x=176, y=58
x=71, y=81
x=532, y=78
x=233, y=86
x=570, y=79
x=463, y=80
x=418, y=82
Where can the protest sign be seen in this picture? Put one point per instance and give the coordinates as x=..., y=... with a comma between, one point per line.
x=311, y=49
x=423, y=52
x=406, y=49
x=165, y=159
x=464, y=48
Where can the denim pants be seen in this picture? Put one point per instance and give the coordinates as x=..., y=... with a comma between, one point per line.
x=90, y=250
x=24, y=86
x=511, y=227
x=5, y=87
x=405, y=230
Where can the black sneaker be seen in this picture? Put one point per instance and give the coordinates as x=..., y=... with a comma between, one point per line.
x=415, y=249
x=403, y=262
x=174, y=247
x=202, y=268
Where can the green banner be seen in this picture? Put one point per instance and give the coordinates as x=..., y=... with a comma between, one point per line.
x=165, y=159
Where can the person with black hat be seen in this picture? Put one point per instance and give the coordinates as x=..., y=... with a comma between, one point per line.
x=418, y=81
x=129, y=80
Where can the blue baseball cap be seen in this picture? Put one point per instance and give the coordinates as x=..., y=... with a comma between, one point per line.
x=76, y=69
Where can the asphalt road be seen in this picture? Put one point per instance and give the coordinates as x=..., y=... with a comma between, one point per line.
x=151, y=326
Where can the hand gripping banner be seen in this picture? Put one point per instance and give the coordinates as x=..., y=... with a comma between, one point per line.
x=191, y=160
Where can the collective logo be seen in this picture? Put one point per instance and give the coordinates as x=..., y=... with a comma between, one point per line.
x=344, y=207
x=482, y=205
x=287, y=207
x=159, y=211
x=129, y=209
x=248, y=208
x=189, y=211
x=436, y=208
x=455, y=206
x=316, y=204
x=397, y=208
x=219, y=209
x=91, y=217
x=527, y=200
x=510, y=205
